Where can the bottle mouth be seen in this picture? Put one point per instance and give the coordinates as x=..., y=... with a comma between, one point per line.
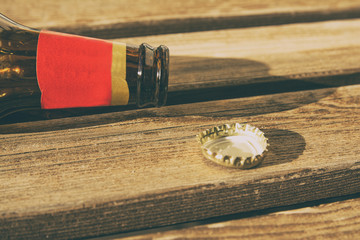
x=153, y=74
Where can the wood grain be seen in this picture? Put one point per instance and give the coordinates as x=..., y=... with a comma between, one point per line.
x=254, y=61
x=335, y=220
x=149, y=171
x=119, y=18
x=293, y=54
x=133, y=169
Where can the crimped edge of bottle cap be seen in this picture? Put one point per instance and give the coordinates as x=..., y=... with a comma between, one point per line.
x=235, y=129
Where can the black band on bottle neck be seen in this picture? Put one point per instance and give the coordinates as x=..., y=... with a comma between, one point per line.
x=153, y=73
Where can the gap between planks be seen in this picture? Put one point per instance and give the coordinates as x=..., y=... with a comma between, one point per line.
x=329, y=220
x=112, y=19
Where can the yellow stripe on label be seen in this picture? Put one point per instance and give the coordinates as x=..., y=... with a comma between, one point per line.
x=119, y=86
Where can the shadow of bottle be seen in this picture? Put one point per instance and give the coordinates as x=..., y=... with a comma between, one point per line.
x=198, y=79
x=192, y=80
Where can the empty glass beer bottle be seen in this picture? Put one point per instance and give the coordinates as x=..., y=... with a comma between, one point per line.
x=53, y=70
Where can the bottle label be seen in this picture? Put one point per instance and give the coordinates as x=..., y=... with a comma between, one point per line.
x=75, y=71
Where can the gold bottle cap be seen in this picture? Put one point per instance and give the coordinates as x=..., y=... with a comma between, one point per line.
x=234, y=145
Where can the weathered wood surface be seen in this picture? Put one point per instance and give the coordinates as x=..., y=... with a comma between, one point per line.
x=120, y=18
x=295, y=55
x=257, y=61
x=335, y=220
x=144, y=168
x=134, y=169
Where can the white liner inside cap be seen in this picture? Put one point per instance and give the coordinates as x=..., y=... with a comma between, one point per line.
x=244, y=146
x=235, y=145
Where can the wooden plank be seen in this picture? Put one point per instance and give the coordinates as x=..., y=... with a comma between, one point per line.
x=335, y=220
x=119, y=18
x=296, y=56
x=138, y=169
x=254, y=61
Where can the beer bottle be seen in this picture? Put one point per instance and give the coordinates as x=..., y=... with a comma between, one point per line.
x=50, y=70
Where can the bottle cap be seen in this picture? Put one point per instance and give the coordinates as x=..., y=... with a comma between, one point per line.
x=234, y=145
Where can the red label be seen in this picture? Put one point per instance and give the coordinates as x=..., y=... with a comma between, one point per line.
x=73, y=71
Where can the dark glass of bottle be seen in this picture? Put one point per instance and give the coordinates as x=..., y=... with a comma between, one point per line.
x=147, y=70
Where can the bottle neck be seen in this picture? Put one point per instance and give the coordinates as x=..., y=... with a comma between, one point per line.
x=143, y=71
x=92, y=72
x=152, y=78
x=147, y=72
